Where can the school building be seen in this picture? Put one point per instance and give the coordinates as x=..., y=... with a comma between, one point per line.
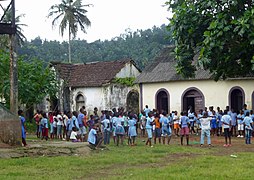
x=162, y=88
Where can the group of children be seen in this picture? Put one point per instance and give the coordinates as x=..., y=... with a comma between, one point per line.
x=76, y=127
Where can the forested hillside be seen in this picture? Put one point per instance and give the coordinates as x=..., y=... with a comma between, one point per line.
x=141, y=45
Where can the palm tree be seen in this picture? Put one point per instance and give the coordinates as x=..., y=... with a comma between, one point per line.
x=73, y=15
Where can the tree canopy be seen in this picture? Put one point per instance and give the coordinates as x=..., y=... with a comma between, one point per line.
x=36, y=80
x=140, y=45
x=220, y=32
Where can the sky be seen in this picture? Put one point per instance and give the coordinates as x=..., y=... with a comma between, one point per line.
x=109, y=18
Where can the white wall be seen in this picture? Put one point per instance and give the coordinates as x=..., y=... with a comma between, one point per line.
x=93, y=97
x=128, y=71
x=216, y=93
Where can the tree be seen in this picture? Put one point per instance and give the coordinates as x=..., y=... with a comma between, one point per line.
x=220, y=32
x=36, y=80
x=73, y=15
x=20, y=37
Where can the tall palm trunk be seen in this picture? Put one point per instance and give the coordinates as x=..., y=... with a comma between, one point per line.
x=13, y=76
x=13, y=68
x=69, y=43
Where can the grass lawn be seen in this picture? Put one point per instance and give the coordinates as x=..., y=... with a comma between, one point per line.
x=139, y=162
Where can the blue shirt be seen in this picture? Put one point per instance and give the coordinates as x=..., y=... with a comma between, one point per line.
x=81, y=116
x=148, y=123
x=226, y=119
x=233, y=117
x=74, y=122
x=92, y=136
x=44, y=122
x=164, y=121
x=191, y=116
x=106, y=124
x=184, y=120
x=247, y=121
x=147, y=110
x=68, y=125
x=240, y=118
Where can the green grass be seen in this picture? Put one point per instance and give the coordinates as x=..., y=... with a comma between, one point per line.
x=139, y=162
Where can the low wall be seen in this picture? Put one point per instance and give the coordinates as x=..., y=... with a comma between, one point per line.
x=10, y=127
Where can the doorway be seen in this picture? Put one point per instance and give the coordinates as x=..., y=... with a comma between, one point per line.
x=236, y=98
x=193, y=97
x=162, y=101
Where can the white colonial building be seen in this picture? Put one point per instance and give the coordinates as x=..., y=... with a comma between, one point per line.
x=162, y=88
x=95, y=85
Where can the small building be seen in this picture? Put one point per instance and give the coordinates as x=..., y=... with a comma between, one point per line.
x=10, y=131
x=98, y=84
x=162, y=88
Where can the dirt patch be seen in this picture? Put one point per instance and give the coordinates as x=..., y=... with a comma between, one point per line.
x=42, y=148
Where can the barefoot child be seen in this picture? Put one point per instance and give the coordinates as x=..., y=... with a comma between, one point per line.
x=184, y=123
x=226, y=121
x=157, y=133
x=247, y=121
x=149, y=125
x=166, y=130
x=132, y=132
x=44, y=123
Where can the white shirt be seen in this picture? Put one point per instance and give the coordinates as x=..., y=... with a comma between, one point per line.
x=205, y=123
x=73, y=135
x=59, y=120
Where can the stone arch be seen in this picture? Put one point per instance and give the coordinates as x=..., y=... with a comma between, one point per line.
x=162, y=100
x=236, y=98
x=132, y=101
x=80, y=101
x=193, y=97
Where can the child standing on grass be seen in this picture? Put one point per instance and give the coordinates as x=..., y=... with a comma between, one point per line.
x=205, y=129
x=149, y=126
x=166, y=130
x=157, y=133
x=23, y=129
x=132, y=132
x=240, y=126
x=184, y=123
x=176, y=123
x=226, y=121
x=44, y=122
x=68, y=126
x=51, y=121
x=247, y=121
x=213, y=124
x=106, y=129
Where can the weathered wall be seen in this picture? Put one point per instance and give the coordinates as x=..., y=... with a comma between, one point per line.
x=216, y=93
x=10, y=128
x=104, y=98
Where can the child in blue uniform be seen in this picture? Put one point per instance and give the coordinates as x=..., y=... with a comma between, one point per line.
x=23, y=130
x=213, y=124
x=149, y=125
x=132, y=132
x=166, y=130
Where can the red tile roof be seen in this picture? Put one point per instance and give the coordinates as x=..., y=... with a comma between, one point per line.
x=90, y=74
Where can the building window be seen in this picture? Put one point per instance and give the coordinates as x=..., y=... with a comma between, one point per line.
x=193, y=98
x=80, y=101
x=236, y=98
x=162, y=100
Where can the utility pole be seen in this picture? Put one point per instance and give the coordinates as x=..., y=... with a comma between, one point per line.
x=13, y=66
